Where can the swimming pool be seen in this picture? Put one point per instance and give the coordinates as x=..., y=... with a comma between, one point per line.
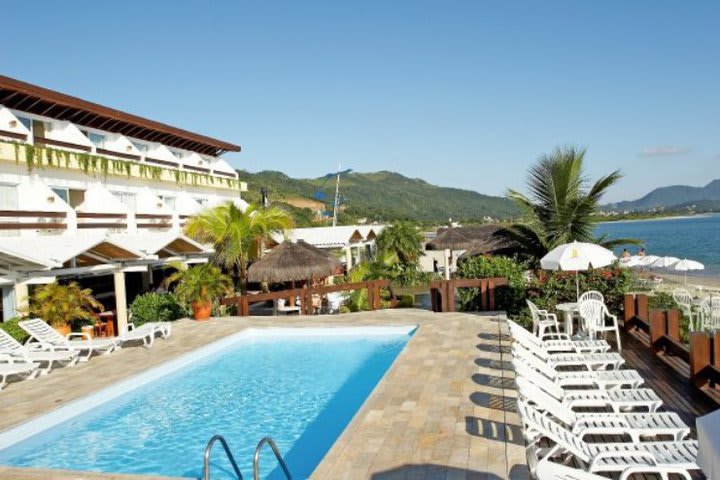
x=301, y=386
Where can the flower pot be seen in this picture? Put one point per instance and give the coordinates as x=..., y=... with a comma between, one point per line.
x=201, y=311
x=63, y=330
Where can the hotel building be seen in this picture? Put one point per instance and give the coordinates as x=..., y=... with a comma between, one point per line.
x=96, y=194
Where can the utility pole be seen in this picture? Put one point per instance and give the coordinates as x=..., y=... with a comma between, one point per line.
x=337, y=197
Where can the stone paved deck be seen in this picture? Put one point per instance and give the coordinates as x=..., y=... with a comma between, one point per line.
x=444, y=410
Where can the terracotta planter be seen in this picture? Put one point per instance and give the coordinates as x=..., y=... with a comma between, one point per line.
x=201, y=311
x=63, y=330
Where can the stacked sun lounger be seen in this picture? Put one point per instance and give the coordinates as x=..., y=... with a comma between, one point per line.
x=572, y=393
x=47, y=349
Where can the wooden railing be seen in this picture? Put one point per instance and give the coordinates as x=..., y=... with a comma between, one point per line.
x=698, y=361
x=32, y=220
x=305, y=296
x=442, y=292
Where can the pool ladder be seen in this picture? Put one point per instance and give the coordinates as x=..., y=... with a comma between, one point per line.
x=256, y=457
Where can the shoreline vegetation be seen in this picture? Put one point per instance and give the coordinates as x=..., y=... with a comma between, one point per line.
x=650, y=217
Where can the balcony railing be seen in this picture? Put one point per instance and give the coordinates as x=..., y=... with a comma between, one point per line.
x=41, y=157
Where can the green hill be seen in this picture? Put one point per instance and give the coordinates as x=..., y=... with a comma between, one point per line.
x=382, y=196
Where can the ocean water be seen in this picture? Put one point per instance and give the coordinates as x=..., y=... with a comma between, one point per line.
x=301, y=391
x=696, y=238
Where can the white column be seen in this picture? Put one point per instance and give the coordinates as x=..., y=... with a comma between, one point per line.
x=21, y=297
x=131, y=223
x=348, y=257
x=71, y=221
x=120, y=301
x=446, y=263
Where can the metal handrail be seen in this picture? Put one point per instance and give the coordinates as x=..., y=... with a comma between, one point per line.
x=208, y=448
x=278, y=456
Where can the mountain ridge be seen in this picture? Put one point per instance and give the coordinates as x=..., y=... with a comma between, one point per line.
x=672, y=196
x=382, y=196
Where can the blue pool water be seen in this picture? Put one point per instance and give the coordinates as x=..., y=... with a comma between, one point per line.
x=302, y=391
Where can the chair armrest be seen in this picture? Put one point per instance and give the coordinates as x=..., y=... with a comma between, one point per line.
x=78, y=334
x=632, y=454
x=5, y=358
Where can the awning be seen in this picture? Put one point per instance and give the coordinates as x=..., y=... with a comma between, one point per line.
x=162, y=244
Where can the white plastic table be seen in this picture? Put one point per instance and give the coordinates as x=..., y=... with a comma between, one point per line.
x=708, y=433
x=569, y=309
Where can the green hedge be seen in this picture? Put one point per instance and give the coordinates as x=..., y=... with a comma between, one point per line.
x=156, y=307
x=510, y=298
x=11, y=326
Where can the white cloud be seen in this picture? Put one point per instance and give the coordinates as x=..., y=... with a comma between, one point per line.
x=664, y=151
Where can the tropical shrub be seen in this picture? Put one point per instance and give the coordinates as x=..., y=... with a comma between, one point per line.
x=202, y=284
x=64, y=304
x=11, y=326
x=553, y=287
x=510, y=298
x=156, y=307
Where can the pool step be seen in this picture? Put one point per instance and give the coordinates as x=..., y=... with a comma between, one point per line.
x=256, y=457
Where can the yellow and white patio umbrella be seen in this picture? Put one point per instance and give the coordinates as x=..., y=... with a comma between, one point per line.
x=577, y=256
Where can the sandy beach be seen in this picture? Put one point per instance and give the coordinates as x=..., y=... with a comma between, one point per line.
x=695, y=281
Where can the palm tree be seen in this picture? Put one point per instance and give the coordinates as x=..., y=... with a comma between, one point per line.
x=561, y=206
x=403, y=240
x=237, y=236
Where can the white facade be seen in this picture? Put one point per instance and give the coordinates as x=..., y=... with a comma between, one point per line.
x=82, y=201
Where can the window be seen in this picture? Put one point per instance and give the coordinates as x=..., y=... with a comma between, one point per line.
x=202, y=201
x=26, y=121
x=179, y=154
x=97, y=139
x=70, y=196
x=39, y=127
x=8, y=197
x=128, y=199
x=62, y=193
x=168, y=201
x=141, y=146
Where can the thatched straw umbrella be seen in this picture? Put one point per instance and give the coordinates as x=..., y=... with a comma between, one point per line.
x=291, y=262
x=451, y=239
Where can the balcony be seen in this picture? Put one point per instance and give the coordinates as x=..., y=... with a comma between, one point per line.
x=111, y=163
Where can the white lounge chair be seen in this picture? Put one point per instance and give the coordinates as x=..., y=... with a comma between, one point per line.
x=561, y=344
x=542, y=321
x=145, y=333
x=590, y=361
x=30, y=354
x=605, y=457
x=50, y=339
x=637, y=426
x=601, y=379
x=617, y=400
x=595, y=314
x=12, y=367
x=547, y=470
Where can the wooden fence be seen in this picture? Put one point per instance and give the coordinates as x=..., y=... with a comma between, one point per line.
x=305, y=296
x=442, y=292
x=698, y=361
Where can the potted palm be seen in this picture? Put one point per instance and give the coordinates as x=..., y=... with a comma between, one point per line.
x=61, y=305
x=199, y=286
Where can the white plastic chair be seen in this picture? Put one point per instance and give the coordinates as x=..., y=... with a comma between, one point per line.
x=562, y=344
x=591, y=295
x=684, y=300
x=599, y=379
x=710, y=313
x=638, y=426
x=13, y=367
x=547, y=470
x=589, y=361
x=662, y=457
x=595, y=315
x=49, y=339
x=543, y=320
x=29, y=354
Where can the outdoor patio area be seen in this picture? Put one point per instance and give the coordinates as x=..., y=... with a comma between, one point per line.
x=445, y=409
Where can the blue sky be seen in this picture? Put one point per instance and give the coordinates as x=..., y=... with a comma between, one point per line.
x=464, y=94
